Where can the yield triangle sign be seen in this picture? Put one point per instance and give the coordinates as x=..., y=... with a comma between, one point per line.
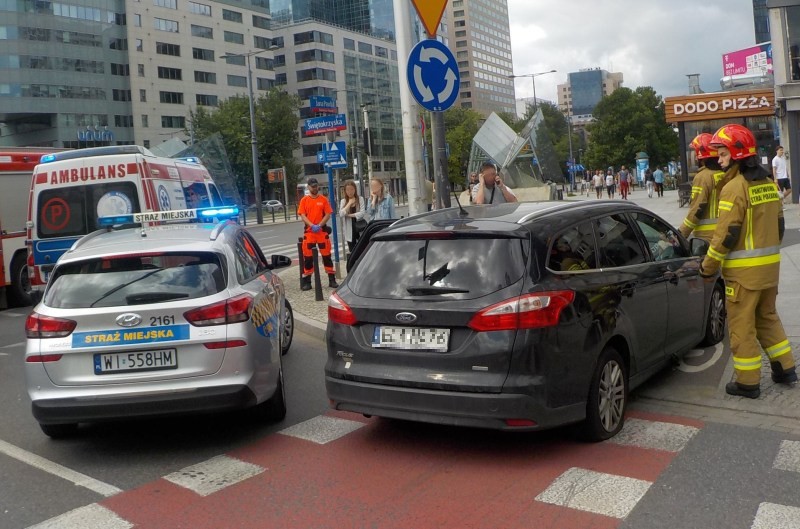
x=430, y=12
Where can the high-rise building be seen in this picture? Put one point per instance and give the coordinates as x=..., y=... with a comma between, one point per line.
x=761, y=21
x=373, y=17
x=478, y=32
x=584, y=89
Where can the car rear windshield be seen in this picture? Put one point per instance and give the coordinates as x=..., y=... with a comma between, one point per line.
x=458, y=268
x=135, y=280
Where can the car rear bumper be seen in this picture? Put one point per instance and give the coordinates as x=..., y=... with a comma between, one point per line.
x=88, y=409
x=480, y=410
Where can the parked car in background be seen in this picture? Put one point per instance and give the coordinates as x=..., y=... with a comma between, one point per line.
x=272, y=205
x=150, y=321
x=518, y=316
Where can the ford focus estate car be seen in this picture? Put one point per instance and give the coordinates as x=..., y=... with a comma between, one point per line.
x=171, y=319
x=518, y=316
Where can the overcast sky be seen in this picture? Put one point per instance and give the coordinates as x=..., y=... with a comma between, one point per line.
x=653, y=43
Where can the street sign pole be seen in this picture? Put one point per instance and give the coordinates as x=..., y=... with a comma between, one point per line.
x=285, y=194
x=334, y=216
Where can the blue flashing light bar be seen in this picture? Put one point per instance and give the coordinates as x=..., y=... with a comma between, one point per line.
x=226, y=212
x=114, y=220
x=190, y=159
x=181, y=215
x=46, y=158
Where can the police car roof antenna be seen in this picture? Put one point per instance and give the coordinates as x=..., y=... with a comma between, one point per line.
x=461, y=211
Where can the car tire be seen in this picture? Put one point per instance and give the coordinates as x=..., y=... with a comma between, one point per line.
x=19, y=291
x=274, y=408
x=59, y=431
x=287, y=330
x=608, y=398
x=715, y=323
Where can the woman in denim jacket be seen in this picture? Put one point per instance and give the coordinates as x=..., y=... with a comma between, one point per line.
x=381, y=204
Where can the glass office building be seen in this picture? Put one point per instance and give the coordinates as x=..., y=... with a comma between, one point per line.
x=371, y=17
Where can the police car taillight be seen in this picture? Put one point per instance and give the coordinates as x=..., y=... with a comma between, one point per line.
x=531, y=311
x=40, y=326
x=234, y=310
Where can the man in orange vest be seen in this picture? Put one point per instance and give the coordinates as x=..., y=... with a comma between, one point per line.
x=315, y=210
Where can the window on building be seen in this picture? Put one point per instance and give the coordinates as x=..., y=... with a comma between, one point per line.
x=120, y=69
x=173, y=122
x=238, y=60
x=137, y=20
x=123, y=121
x=232, y=16
x=349, y=44
x=169, y=73
x=146, y=144
x=262, y=43
x=260, y=22
x=140, y=70
x=793, y=38
x=145, y=121
x=200, y=9
x=205, y=77
x=120, y=95
x=163, y=24
x=235, y=38
x=237, y=80
x=142, y=95
x=381, y=52
x=365, y=47
x=206, y=100
x=139, y=45
x=202, y=54
x=169, y=4
x=264, y=84
x=165, y=48
x=172, y=98
x=202, y=32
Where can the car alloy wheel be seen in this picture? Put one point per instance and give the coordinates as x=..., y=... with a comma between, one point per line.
x=288, y=328
x=608, y=397
x=715, y=325
x=612, y=396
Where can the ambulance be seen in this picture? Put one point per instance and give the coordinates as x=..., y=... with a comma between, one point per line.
x=72, y=189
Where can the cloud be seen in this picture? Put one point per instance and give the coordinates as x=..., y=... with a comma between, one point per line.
x=652, y=43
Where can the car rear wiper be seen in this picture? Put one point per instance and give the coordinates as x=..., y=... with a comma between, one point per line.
x=429, y=290
x=152, y=297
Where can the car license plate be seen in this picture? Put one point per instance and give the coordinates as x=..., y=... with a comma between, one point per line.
x=419, y=338
x=138, y=361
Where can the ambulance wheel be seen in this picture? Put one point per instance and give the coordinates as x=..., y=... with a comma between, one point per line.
x=608, y=398
x=19, y=291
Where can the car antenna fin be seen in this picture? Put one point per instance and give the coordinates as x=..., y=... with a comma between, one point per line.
x=461, y=211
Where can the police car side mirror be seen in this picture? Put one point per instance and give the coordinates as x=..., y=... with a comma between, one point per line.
x=699, y=247
x=280, y=261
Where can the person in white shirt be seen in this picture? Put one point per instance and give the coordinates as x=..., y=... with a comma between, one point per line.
x=598, y=181
x=779, y=173
x=610, y=184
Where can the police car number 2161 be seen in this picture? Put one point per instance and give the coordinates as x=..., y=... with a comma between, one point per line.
x=105, y=363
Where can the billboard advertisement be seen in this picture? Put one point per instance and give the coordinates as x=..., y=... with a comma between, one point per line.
x=756, y=60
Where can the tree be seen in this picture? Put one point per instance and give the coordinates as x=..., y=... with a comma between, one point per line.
x=276, y=134
x=461, y=125
x=627, y=122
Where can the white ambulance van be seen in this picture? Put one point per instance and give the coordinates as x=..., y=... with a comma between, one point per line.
x=70, y=190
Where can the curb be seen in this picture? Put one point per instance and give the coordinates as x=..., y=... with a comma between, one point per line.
x=309, y=326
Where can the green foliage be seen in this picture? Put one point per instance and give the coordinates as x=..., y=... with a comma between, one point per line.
x=276, y=115
x=461, y=126
x=627, y=122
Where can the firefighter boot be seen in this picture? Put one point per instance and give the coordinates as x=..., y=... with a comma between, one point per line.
x=781, y=375
x=305, y=283
x=739, y=390
x=332, y=281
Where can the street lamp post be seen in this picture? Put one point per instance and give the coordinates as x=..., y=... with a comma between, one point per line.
x=571, y=158
x=533, y=77
x=253, y=142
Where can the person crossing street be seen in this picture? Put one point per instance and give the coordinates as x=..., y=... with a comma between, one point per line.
x=701, y=220
x=746, y=246
x=315, y=210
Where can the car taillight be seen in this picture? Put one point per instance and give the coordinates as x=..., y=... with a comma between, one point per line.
x=232, y=310
x=531, y=311
x=339, y=311
x=40, y=326
x=43, y=358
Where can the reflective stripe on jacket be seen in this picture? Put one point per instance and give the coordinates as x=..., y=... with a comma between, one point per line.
x=703, y=208
x=746, y=243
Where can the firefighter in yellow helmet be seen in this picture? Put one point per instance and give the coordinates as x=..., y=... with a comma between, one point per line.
x=746, y=245
x=701, y=220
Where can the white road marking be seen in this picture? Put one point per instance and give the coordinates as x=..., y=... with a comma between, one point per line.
x=213, y=475
x=29, y=458
x=654, y=435
x=9, y=346
x=686, y=368
x=788, y=457
x=92, y=516
x=322, y=429
x=596, y=492
x=774, y=516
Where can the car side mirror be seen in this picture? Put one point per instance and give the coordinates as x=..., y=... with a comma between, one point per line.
x=699, y=247
x=280, y=261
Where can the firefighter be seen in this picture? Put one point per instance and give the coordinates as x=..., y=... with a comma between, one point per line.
x=746, y=246
x=706, y=187
x=315, y=210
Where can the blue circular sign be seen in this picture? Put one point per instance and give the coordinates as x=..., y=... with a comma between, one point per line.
x=433, y=75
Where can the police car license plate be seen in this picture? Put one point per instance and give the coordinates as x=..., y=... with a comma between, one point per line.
x=138, y=361
x=412, y=338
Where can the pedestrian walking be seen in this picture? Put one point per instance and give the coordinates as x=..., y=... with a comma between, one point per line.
x=599, y=181
x=701, y=219
x=624, y=182
x=610, y=184
x=746, y=246
x=649, y=182
x=780, y=174
x=315, y=210
x=658, y=180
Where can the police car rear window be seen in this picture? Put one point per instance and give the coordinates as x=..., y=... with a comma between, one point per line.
x=135, y=280
x=458, y=268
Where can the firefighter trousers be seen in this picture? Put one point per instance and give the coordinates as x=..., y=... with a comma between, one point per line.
x=323, y=243
x=755, y=327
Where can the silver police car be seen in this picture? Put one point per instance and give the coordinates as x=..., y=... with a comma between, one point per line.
x=160, y=320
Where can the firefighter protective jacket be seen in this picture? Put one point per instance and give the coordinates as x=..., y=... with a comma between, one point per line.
x=746, y=243
x=703, y=208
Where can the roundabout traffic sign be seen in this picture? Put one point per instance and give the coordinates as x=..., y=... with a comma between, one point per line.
x=433, y=75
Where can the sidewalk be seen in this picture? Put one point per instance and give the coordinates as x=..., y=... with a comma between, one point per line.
x=777, y=408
